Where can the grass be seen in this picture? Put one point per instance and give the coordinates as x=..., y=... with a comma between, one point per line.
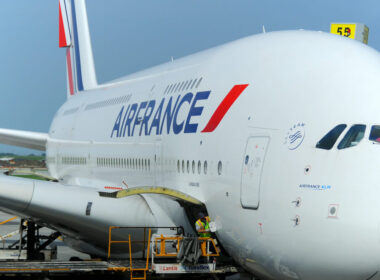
x=31, y=176
x=29, y=157
x=24, y=157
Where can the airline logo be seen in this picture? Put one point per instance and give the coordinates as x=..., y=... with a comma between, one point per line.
x=163, y=116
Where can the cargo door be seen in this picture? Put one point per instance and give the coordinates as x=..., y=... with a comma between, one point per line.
x=253, y=162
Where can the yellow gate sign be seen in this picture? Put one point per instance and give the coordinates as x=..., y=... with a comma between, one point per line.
x=356, y=31
x=344, y=29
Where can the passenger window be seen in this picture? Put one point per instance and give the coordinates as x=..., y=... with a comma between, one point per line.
x=353, y=136
x=375, y=133
x=328, y=141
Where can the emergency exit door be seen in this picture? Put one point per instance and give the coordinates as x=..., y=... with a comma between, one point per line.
x=253, y=162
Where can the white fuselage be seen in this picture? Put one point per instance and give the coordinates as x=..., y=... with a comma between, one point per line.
x=296, y=79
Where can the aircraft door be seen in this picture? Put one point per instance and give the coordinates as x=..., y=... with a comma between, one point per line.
x=253, y=162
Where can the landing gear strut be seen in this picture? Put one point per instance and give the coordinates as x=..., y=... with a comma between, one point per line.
x=33, y=241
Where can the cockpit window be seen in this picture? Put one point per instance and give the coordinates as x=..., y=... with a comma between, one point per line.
x=353, y=136
x=375, y=133
x=328, y=141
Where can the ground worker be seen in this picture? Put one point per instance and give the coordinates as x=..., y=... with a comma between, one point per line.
x=202, y=226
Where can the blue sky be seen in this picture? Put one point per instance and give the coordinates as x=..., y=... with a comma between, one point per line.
x=130, y=35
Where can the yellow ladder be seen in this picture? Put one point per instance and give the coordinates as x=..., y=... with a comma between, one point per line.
x=130, y=268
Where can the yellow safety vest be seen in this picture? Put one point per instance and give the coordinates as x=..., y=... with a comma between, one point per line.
x=204, y=226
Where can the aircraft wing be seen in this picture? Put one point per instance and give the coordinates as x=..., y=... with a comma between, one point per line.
x=22, y=138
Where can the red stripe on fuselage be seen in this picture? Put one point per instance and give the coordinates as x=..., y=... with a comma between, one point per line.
x=62, y=35
x=69, y=71
x=113, y=188
x=224, y=107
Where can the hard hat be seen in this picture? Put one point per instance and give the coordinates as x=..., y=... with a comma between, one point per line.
x=201, y=215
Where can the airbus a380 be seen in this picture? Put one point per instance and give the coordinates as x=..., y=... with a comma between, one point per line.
x=276, y=134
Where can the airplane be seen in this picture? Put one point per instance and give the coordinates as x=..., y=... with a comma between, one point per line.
x=275, y=135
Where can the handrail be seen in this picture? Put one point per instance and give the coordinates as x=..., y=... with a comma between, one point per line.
x=162, y=246
x=129, y=241
x=162, y=240
x=130, y=268
x=147, y=259
x=130, y=253
x=209, y=239
x=10, y=219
